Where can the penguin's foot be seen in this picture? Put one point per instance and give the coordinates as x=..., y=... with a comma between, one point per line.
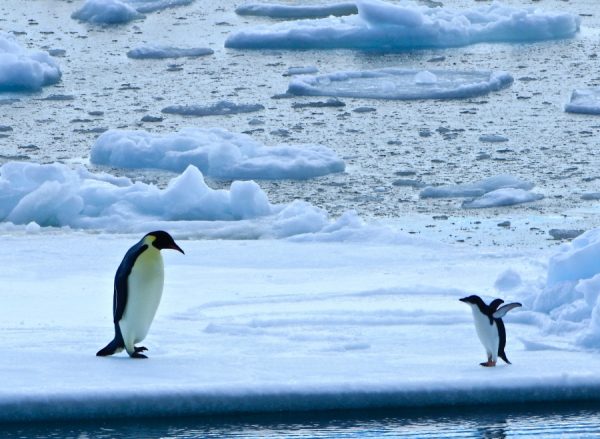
x=140, y=349
x=488, y=363
x=138, y=355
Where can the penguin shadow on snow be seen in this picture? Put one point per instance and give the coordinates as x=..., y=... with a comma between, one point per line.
x=137, y=292
x=490, y=327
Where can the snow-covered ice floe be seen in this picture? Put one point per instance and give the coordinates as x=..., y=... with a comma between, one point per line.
x=220, y=108
x=121, y=11
x=584, y=101
x=57, y=196
x=396, y=83
x=272, y=325
x=24, y=70
x=162, y=52
x=216, y=152
x=385, y=26
x=106, y=12
x=297, y=11
x=496, y=191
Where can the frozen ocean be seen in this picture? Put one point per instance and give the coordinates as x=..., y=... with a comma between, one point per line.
x=339, y=175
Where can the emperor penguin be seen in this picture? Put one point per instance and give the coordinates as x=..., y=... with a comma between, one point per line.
x=490, y=327
x=137, y=292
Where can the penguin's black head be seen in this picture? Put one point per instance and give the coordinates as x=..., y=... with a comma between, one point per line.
x=473, y=300
x=164, y=240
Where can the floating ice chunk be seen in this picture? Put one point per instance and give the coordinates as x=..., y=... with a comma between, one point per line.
x=384, y=26
x=306, y=70
x=492, y=138
x=584, y=101
x=395, y=83
x=425, y=78
x=475, y=189
x=106, y=12
x=216, y=152
x=145, y=6
x=218, y=109
x=297, y=11
x=502, y=197
x=22, y=70
x=161, y=52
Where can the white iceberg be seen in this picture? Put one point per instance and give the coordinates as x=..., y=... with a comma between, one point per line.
x=584, y=101
x=385, y=26
x=121, y=11
x=297, y=11
x=162, y=52
x=219, y=108
x=24, y=70
x=396, y=83
x=502, y=197
x=475, y=189
x=216, y=152
x=106, y=12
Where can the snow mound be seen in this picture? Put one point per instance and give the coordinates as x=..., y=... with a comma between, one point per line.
x=572, y=289
x=584, y=101
x=216, y=152
x=297, y=11
x=219, y=109
x=384, y=26
x=502, y=197
x=54, y=195
x=22, y=70
x=395, y=83
x=106, y=12
x=162, y=52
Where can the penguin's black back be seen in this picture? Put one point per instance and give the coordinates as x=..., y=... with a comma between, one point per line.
x=123, y=272
x=502, y=336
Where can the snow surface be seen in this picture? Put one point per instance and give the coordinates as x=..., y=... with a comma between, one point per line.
x=396, y=83
x=384, y=26
x=161, y=52
x=24, y=70
x=216, y=152
x=273, y=325
x=584, y=101
x=297, y=11
x=106, y=12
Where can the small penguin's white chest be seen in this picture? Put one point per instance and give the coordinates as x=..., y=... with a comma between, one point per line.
x=144, y=291
x=488, y=334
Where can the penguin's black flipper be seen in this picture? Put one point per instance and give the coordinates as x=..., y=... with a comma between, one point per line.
x=501, y=312
x=502, y=344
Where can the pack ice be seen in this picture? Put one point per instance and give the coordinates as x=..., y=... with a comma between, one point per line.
x=384, y=26
x=584, y=101
x=162, y=52
x=396, y=83
x=24, y=70
x=297, y=11
x=216, y=152
x=121, y=11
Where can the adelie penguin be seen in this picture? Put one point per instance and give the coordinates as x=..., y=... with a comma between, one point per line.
x=490, y=327
x=138, y=289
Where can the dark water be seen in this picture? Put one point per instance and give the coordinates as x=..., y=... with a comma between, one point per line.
x=540, y=421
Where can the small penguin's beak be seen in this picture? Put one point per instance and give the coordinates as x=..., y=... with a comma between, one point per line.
x=464, y=299
x=176, y=247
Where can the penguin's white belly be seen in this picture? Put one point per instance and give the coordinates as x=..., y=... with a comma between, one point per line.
x=488, y=334
x=144, y=290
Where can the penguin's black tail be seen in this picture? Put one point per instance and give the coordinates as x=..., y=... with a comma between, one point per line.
x=109, y=349
x=116, y=345
x=503, y=356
